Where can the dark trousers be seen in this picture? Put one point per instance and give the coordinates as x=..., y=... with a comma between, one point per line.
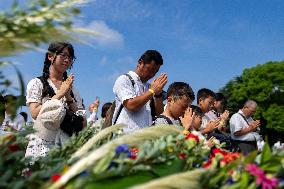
x=246, y=146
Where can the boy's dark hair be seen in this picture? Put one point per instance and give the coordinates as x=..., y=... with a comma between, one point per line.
x=179, y=89
x=25, y=116
x=220, y=97
x=197, y=110
x=204, y=93
x=151, y=55
x=105, y=108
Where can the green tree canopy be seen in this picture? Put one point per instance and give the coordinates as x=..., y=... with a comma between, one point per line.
x=264, y=84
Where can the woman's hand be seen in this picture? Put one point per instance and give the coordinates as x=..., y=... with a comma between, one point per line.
x=66, y=87
x=94, y=106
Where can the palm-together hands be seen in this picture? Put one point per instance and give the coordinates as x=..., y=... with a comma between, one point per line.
x=225, y=115
x=187, y=119
x=66, y=87
x=212, y=125
x=254, y=125
x=158, y=84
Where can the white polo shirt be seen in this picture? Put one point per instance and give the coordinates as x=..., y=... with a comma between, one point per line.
x=124, y=90
x=237, y=123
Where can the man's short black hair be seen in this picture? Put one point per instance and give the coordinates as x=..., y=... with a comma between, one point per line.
x=179, y=89
x=204, y=93
x=151, y=55
x=197, y=110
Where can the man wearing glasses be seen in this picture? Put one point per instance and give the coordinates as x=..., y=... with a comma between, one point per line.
x=245, y=130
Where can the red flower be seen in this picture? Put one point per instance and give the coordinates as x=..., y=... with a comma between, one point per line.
x=207, y=164
x=190, y=135
x=182, y=155
x=55, y=177
x=134, y=152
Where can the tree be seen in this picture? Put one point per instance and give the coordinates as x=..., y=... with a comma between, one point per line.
x=264, y=84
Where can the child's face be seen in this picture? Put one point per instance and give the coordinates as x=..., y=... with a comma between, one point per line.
x=218, y=105
x=206, y=104
x=197, y=122
x=178, y=107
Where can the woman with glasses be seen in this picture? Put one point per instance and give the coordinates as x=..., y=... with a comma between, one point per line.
x=56, y=87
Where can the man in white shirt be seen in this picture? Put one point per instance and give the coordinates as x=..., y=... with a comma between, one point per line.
x=244, y=128
x=133, y=94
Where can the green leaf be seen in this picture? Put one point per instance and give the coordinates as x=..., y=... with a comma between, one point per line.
x=266, y=153
x=103, y=163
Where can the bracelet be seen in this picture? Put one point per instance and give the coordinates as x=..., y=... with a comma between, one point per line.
x=152, y=91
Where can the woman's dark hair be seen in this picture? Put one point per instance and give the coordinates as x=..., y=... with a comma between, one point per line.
x=54, y=49
x=151, y=55
x=105, y=108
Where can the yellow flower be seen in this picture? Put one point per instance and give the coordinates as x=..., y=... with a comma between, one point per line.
x=65, y=169
x=170, y=149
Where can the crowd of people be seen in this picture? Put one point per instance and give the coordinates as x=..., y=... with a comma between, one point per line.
x=58, y=112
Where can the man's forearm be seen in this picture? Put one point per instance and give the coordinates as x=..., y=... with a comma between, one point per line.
x=138, y=102
x=243, y=131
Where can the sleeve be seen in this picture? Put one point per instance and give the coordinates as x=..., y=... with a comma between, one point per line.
x=34, y=91
x=123, y=89
x=235, y=124
x=92, y=118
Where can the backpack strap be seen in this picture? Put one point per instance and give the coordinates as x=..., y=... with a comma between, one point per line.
x=121, y=105
x=169, y=121
x=244, y=118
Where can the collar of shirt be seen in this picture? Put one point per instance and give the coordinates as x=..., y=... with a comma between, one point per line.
x=137, y=80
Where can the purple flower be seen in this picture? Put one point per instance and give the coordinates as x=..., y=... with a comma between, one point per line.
x=230, y=181
x=84, y=174
x=261, y=178
x=112, y=164
x=124, y=148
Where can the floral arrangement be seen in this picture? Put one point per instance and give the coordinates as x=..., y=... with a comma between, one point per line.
x=147, y=157
x=265, y=171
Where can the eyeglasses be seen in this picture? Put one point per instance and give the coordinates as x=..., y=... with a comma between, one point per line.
x=65, y=56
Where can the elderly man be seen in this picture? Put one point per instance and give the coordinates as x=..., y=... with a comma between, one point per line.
x=133, y=94
x=244, y=128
